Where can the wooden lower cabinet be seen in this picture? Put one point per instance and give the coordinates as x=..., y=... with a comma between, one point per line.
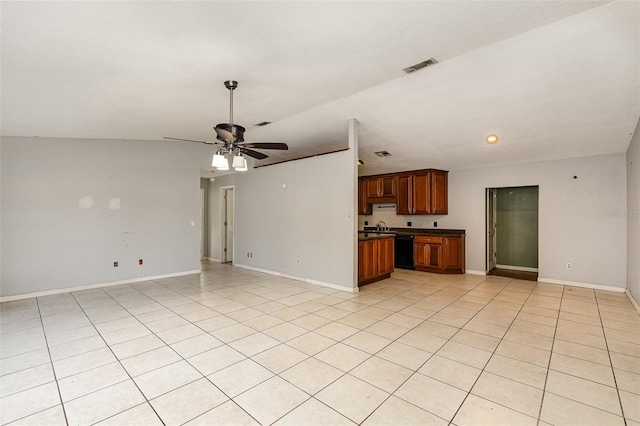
x=375, y=259
x=440, y=254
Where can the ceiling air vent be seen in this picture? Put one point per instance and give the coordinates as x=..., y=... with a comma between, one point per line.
x=264, y=123
x=420, y=65
x=382, y=153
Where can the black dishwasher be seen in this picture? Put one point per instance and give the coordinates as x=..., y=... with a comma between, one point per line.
x=404, y=251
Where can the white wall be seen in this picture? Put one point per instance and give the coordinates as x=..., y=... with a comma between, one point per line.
x=577, y=222
x=633, y=215
x=313, y=219
x=49, y=242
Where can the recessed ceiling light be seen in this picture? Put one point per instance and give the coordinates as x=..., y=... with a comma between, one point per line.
x=491, y=139
x=382, y=153
x=360, y=162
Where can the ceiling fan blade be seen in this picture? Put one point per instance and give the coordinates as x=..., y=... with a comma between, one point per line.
x=191, y=140
x=255, y=154
x=265, y=145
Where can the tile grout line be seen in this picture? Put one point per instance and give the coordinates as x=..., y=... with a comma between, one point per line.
x=493, y=353
x=613, y=372
x=55, y=377
x=553, y=342
x=119, y=362
x=448, y=340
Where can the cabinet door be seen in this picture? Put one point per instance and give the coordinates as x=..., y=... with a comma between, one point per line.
x=421, y=193
x=404, y=190
x=373, y=186
x=419, y=254
x=385, y=256
x=370, y=259
x=434, y=257
x=454, y=254
x=439, y=193
x=364, y=207
x=388, y=186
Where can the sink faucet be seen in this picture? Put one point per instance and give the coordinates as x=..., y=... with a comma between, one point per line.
x=381, y=226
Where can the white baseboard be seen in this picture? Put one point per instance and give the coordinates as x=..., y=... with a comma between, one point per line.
x=584, y=285
x=92, y=286
x=517, y=268
x=474, y=272
x=213, y=259
x=633, y=301
x=293, y=277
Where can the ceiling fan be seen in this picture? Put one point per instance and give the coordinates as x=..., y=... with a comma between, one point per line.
x=231, y=137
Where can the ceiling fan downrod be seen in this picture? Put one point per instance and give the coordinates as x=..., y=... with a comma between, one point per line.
x=231, y=85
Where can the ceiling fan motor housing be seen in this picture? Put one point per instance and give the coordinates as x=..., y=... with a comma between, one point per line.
x=236, y=130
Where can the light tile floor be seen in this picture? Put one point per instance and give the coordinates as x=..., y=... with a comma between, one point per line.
x=236, y=347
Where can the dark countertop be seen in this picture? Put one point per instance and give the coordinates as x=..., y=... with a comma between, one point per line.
x=417, y=231
x=369, y=235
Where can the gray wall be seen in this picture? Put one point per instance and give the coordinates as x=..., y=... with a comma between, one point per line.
x=49, y=242
x=517, y=226
x=313, y=219
x=633, y=215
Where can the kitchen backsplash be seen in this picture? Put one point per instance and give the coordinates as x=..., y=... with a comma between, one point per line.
x=387, y=214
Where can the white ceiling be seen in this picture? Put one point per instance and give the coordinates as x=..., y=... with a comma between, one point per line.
x=554, y=79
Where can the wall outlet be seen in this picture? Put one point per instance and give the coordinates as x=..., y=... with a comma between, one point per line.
x=115, y=264
x=408, y=223
x=569, y=266
x=298, y=261
x=140, y=261
x=366, y=222
x=435, y=224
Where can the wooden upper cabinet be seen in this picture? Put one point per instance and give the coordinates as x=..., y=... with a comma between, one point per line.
x=422, y=193
x=373, y=189
x=388, y=186
x=418, y=192
x=439, y=192
x=363, y=205
x=404, y=190
x=381, y=189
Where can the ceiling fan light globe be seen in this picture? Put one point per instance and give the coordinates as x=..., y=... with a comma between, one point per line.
x=244, y=165
x=238, y=161
x=219, y=161
x=224, y=164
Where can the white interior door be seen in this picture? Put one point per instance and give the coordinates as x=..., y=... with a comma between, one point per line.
x=492, y=195
x=228, y=225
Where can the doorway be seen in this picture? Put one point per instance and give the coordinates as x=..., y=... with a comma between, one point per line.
x=228, y=218
x=512, y=232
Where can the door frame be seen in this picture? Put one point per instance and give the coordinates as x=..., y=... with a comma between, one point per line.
x=491, y=229
x=223, y=226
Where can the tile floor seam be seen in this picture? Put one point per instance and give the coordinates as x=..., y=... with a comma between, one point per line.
x=548, y=368
x=493, y=353
x=613, y=372
x=121, y=365
x=64, y=411
x=448, y=340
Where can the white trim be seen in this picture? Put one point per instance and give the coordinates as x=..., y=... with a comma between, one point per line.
x=517, y=268
x=633, y=301
x=213, y=259
x=92, y=286
x=293, y=277
x=584, y=285
x=474, y=272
